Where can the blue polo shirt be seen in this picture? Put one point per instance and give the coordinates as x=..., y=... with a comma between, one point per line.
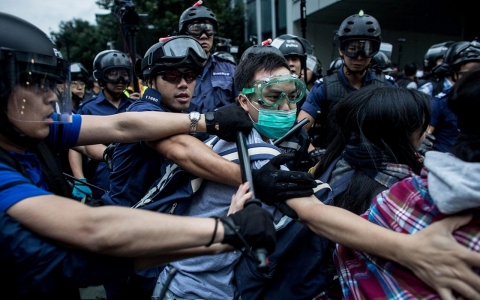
x=100, y=106
x=34, y=268
x=445, y=123
x=214, y=88
x=14, y=187
x=135, y=165
x=316, y=96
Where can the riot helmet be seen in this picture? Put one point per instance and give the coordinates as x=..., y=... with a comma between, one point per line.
x=173, y=52
x=112, y=66
x=336, y=64
x=381, y=62
x=32, y=73
x=289, y=45
x=309, y=48
x=194, y=13
x=359, y=34
x=314, y=65
x=434, y=53
x=451, y=55
x=469, y=54
x=78, y=72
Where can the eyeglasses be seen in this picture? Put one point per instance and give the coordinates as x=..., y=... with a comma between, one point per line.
x=273, y=90
x=354, y=47
x=175, y=76
x=115, y=75
x=197, y=29
x=78, y=84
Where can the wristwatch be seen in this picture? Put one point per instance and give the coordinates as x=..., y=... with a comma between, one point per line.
x=194, y=118
x=210, y=122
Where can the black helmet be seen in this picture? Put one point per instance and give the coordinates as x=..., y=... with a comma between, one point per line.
x=336, y=64
x=450, y=56
x=289, y=45
x=225, y=55
x=264, y=47
x=196, y=13
x=469, y=54
x=181, y=50
x=309, y=48
x=314, y=65
x=434, y=53
x=30, y=59
x=381, y=62
x=361, y=27
x=109, y=59
x=78, y=72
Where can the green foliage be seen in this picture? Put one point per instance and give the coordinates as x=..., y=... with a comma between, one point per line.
x=80, y=41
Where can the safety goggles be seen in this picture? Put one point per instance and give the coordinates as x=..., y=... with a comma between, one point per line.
x=271, y=91
x=175, y=76
x=115, y=75
x=197, y=29
x=354, y=47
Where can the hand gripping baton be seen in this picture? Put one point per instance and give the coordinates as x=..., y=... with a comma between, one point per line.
x=245, y=167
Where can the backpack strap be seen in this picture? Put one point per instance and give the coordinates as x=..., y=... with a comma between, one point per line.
x=9, y=160
x=327, y=195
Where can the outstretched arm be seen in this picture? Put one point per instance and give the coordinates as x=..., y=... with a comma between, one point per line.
x=430, y=253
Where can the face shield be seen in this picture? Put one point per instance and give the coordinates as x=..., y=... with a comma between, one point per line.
x=354, y=47
x=270, y=92
x=39, y=88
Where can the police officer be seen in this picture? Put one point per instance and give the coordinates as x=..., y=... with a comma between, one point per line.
x=293, y=50
x=215, y=84
x=79, y=77
x=314, y=70
x=45, y=236
x=113, y=71
x=431, y=83
x=459, y=58
x=358, y=40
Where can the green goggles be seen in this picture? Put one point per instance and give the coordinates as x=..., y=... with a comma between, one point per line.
x=271, y=91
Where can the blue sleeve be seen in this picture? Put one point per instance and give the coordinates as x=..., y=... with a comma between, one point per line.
x=33, y=265
x=436, y=111
x=314, y=98
x=14, y=187
x=64, y=136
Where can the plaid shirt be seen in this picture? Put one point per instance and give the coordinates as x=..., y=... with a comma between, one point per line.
x=408, y=208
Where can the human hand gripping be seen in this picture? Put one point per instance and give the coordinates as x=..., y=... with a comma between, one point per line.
x=277, y=186
x=226, y=121
x=440, y=261
x=239, y=198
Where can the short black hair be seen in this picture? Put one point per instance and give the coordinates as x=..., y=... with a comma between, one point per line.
x=246, y=69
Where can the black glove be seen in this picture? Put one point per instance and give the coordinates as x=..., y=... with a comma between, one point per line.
x=225, y=121
x=427, y=144
x=254, y=224
x=274, y=185
x=108, y=156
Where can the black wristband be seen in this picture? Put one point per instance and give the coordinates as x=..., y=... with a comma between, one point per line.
x=214, y=233
x=210, y=122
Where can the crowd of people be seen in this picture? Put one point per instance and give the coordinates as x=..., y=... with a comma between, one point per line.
x=346, y=197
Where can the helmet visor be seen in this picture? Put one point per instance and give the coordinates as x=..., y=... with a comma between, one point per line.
x=271, y=91
x=40, y=89
x=179, y=49
x=354, y=47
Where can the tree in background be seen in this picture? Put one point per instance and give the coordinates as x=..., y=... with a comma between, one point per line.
x=80, y=41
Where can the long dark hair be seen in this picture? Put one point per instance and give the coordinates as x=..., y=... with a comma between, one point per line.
x=384, y=120
x=465, y=103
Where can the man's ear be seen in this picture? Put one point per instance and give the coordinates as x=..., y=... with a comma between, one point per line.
x=242, y=100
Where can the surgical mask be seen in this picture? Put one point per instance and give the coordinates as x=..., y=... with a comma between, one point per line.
x=274, y=123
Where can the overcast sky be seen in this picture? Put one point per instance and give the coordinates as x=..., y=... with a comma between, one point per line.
x=47, y=14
